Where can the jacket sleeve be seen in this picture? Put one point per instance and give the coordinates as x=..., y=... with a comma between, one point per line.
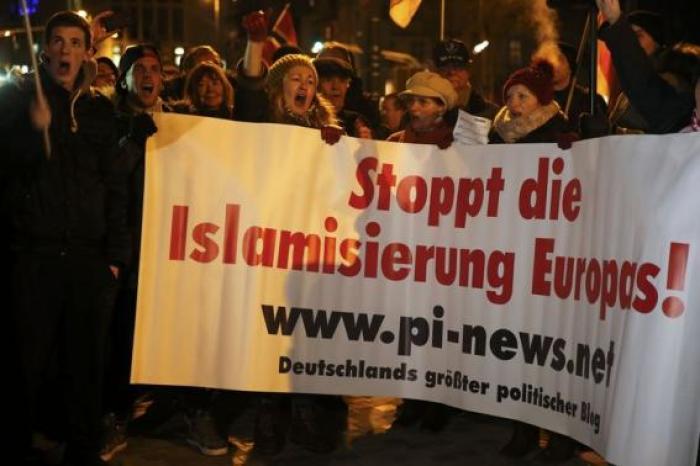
x=251, y=98
x=663, y=106
x=115, y=175
x=21, y=142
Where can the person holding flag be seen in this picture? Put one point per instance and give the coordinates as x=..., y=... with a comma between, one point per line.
x=68, y=235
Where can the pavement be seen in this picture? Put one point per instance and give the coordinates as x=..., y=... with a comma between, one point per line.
x=469, y=439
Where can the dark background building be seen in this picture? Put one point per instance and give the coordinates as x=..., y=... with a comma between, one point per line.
x=385, y=54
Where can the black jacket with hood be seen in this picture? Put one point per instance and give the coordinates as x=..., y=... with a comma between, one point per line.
x=73, y=202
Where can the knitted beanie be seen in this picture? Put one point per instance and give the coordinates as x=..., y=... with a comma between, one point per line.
x=280, y=68
x=537, y=78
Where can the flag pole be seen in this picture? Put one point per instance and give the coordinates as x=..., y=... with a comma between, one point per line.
x=442, y=19
x=593, y=72
x=579, y=59
x=37, y=82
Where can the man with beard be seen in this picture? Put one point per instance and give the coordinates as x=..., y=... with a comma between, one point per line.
x=66, y=209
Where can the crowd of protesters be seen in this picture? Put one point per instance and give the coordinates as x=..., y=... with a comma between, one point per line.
x=72, y=177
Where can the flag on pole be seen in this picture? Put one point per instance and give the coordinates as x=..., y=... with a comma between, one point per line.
x=605, y=71
x=282, y=33
x=269, y=48
x=606, y=78
x=284, y=26
x=402, y=11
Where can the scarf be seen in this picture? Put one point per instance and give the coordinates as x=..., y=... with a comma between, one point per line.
x=512, y=128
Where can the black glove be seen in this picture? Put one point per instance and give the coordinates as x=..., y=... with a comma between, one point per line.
x=142, y=126
x=593, y=126
x=565, y=140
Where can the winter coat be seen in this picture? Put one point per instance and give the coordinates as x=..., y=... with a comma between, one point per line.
x=580, y=103
x=440, y=135
x=475, y=105
x=132, y=158
x=547, y=124
x=74, y=201
x=186, y=108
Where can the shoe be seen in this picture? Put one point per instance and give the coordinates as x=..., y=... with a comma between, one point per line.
x=307, y=429
x=525, y=439
x=559, y=449
x=203, y=434
x=113, y=437
x=269, y=431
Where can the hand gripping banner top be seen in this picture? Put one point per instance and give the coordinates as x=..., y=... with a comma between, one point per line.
x=559, y=288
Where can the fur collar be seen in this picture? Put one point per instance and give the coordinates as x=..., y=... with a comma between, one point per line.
x=512, y=129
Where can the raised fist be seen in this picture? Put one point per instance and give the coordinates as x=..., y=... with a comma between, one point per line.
x=255, y=24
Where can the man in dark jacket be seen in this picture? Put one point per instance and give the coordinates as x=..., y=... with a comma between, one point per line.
x=66, y=209
x=452, y=60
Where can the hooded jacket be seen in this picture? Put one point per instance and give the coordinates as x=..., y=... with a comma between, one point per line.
x=73, y=202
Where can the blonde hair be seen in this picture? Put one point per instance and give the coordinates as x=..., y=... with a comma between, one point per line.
x=321, y=111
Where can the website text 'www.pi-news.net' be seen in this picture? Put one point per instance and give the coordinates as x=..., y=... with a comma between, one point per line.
x=415, y=332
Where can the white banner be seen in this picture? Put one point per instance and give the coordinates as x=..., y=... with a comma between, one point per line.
x=555, y=287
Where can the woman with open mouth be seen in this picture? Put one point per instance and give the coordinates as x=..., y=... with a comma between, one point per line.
x=286, y=92
x=530, y=113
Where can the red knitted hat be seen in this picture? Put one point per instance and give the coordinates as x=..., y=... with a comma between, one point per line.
x=537, y=78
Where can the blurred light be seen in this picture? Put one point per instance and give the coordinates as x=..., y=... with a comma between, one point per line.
x=24, y=69
x=35, y=47
x=7, y=34
x=82, y=13
x=318, y=46
x=480, y=47
x=179, y=52
x=32, y=7
x=389, y=87
x=116, y=54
